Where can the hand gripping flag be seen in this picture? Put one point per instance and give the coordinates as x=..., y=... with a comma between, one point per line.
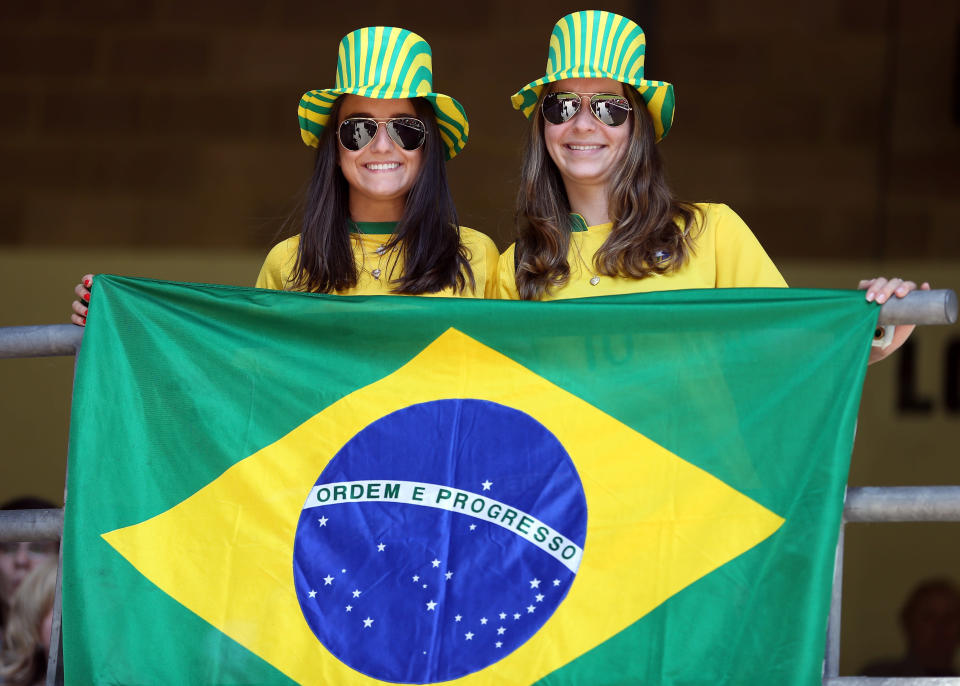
x=275, y=487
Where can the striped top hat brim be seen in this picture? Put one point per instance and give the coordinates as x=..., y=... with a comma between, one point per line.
x=594, y=44
x=385, y=62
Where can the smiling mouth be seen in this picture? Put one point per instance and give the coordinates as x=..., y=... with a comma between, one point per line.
x=579, y=147
x=382, y=166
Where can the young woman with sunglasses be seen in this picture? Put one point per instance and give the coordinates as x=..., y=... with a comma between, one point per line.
x=379, y=218
x=595, y=214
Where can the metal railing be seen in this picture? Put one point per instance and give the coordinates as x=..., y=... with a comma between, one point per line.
x=894, y=504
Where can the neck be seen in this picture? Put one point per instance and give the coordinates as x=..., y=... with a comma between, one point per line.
x=592, y=202
x=365, y=209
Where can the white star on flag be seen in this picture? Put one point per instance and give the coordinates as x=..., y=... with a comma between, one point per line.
x=468, y=635
x=457, y=618
x=349, y=608
x=500, y=630
x=487, y=484
x=380, y=547
x=539, y=597
x=530, y=609
x=431, y=605
x=498, y=643
x=503, y=615
x=472, y=527
x=356, y=593
x=367, y=623
x=424, y=585
x=323, y=521
x=435, y=562
x=416, y=577
x=516, y=615
x=313, y=594
x=327, y=580
x=449, y=575
x=556, y=582
x=343, y=571
x=534, y=583
x=483, y=620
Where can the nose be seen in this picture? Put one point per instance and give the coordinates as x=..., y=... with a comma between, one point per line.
x=22, y=555
x=382, y=141
x=584, y=119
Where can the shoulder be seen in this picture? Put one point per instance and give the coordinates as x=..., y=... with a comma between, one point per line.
x=714, y=214
x=280, y=260
x=716, y=223
x=284, y=249
x=475, y=239
x=739, y=259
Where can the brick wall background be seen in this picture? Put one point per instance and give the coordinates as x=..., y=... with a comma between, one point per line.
x=830, y=125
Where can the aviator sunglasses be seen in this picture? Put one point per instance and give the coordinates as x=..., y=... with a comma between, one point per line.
x=355, y=133
x=611, y=109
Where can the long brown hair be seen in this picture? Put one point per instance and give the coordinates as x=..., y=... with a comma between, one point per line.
x=428, y=234
x=648, y=221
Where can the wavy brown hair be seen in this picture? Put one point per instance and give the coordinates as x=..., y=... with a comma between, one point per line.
x=427, y=236
x=647, y=218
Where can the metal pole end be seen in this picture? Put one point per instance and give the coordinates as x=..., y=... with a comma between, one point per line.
x=950, y=306
x=921, y=307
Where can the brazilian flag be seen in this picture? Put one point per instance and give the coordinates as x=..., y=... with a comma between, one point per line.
x=275, y=488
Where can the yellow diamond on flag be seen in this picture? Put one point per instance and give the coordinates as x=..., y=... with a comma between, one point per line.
x=655, y=523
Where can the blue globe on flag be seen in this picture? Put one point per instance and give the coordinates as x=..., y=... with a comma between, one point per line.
x=438, y=540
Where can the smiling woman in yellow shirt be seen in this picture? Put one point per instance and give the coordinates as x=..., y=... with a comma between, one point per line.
x=595, y=215
x=378, y=217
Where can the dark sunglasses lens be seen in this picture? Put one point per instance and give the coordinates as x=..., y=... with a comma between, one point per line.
x=407, y=133
x=612, y=110
x=357, y=133
x=560, y=107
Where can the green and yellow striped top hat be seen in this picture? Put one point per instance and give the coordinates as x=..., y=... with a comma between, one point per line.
x=594, y=44
x=384, y=62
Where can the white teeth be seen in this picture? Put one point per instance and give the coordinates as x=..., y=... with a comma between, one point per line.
x=584, y=147
x=383, y=165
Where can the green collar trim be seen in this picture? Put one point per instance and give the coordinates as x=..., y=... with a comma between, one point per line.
x=372, y=227
x=577, y=222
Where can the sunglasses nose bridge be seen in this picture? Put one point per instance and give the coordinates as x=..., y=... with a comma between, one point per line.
x=584, y=117
x=382, y=140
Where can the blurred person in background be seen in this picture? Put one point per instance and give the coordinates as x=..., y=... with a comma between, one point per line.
x=930, y=620
x=18, y=559
x=23, y=660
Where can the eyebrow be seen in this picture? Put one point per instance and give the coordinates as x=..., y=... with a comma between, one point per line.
x=397, y=115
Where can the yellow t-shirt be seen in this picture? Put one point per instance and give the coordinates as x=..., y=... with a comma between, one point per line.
x=725, y=254
x=482, y=252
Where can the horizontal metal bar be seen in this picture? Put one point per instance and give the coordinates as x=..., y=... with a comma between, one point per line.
x=892, y=681
x=918, y=307
x=921, y=307
x=30, y=525
x=40, y=341
x=903, y=504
